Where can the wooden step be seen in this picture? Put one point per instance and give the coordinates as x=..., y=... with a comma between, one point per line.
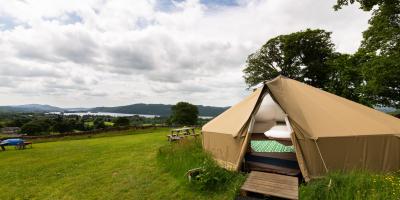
x=263, y=167
x=279, y=155
x=271, y=184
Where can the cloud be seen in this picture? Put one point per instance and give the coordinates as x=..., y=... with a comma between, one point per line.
x=95, y=94
x=101, y=52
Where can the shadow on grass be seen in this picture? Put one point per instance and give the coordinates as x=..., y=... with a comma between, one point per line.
x=178, y=158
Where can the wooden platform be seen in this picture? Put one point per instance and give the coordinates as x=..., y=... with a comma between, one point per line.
x=271, y=184
x=280, y=163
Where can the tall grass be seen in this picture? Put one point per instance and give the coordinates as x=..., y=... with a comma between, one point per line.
x=178, y=158
x=358, y=185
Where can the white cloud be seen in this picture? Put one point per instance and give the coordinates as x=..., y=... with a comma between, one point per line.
x=93, y=53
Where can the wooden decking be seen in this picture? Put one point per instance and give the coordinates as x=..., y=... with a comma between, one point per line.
x=272, y=185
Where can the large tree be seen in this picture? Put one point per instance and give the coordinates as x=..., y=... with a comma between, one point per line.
x=184, y=113
x=381, y=46
x=36, y=127
x=301, y=56
x=121, y=121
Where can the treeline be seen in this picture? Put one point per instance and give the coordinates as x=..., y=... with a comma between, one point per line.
x=370, y=76
x=45, y=124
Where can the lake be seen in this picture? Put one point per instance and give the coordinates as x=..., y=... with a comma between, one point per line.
x=105, y=114
x=114, y=114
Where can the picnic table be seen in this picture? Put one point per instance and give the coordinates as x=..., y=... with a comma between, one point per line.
x=179, y=133
x=18, y=143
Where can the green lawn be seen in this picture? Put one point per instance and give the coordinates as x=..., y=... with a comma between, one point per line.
x=118, y=167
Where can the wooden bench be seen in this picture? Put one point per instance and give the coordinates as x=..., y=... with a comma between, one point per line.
x=173, y=138
x=184, y=131
x=270, y=184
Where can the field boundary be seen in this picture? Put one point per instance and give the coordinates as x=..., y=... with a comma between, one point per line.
x=80, y=133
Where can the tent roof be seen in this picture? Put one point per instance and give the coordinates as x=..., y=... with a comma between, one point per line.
x=232, y=120
x=322, y=114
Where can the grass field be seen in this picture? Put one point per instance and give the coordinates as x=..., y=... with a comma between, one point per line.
x=141, y=164
x=120, y=167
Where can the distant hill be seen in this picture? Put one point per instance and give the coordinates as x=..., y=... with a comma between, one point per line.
x=156, y=109
x=31, y=108
x=149, y=109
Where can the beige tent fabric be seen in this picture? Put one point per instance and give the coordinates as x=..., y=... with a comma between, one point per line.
x=332, y=133
x=222, y=136
x=373, y=153
x=224, y=148
x=232, y=120
x=322, y=114
x=329, y=132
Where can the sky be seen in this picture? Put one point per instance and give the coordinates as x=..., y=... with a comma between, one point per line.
x=74, y=53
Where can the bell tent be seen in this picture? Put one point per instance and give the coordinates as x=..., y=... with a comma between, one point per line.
x=328, y=132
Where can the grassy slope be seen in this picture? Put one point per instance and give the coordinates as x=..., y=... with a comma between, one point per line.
x=121, y=167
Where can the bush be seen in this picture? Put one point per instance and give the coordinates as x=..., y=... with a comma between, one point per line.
x=178, y=158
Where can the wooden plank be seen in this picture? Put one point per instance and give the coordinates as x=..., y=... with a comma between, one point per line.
x=279, y=155
x=271, y=184
x=259, y=181
x=257, y=166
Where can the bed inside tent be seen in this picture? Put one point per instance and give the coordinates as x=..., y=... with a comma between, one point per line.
x=271, y=149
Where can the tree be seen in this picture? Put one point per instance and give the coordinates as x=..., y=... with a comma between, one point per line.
x=98, y=123
x=381, y=43
x=121, y=121
x=64, y=126
x=382, y=78
x=36, y=127
x=184, y=113
x=301, y=56
x=345, y=79
x=18, y=121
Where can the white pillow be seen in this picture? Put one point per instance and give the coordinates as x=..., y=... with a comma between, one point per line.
x=278, y=131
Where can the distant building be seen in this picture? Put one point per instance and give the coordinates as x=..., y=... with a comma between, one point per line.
x=10, y=130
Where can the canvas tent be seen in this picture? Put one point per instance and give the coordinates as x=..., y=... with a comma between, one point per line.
x=328, y=132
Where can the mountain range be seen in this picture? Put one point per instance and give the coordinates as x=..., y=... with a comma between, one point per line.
x=140, y=108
